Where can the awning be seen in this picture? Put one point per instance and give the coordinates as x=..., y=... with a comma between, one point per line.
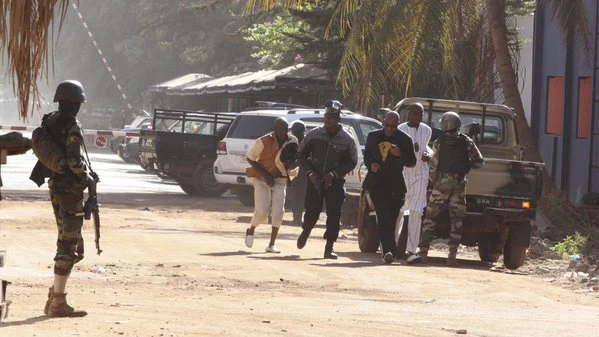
x=298, y=76
x=178, y=82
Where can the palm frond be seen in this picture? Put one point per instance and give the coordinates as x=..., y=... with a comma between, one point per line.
x=571, y=15
x=24, y=29
x=267, y=5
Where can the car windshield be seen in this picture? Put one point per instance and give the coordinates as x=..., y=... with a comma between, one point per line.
x=251, y=127
x=494, y=125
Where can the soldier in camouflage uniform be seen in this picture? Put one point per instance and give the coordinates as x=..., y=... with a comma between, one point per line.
x=454, y=155
x=66, y=193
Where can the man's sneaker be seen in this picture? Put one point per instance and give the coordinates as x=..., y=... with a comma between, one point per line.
x=388, y=258
x=249, y=238
x=272, y=249
x=413, y=258
x=302, y=239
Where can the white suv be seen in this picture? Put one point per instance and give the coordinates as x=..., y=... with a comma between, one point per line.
x=230, y=165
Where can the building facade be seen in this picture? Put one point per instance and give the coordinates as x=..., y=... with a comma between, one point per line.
x=565, y=101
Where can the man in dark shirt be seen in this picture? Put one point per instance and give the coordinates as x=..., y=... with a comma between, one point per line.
x=387, y=152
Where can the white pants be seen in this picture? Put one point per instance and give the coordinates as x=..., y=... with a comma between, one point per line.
x=414, y=224
x=415, y=204
x=269, y=200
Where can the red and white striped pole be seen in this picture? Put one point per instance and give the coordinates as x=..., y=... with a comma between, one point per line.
x=91, y=36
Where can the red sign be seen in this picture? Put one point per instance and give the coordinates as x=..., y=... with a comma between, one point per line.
x=100, y=141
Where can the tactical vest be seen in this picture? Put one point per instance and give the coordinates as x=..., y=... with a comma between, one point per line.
x=453, y=156
x=48, y=143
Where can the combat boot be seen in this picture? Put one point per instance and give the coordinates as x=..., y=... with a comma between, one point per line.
x=451, y=257
x=59, y=307
x=50, y=293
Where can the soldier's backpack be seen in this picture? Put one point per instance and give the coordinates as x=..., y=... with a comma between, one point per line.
x=47, y=150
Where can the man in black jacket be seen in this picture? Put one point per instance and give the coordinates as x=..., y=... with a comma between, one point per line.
x=387, y=152
x=326, y=154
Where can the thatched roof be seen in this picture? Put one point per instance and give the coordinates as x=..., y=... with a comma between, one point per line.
x=24, y=29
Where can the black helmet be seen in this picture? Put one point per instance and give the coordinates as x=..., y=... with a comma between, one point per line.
x=70, y=91
x=333, y=107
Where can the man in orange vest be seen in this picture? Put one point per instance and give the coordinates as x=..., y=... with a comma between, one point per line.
x=269, y=159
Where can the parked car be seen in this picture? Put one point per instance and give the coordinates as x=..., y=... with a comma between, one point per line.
x=128, y=148
x=182, y=146
x=501, y=197
x=230, y=165
x=135, y=126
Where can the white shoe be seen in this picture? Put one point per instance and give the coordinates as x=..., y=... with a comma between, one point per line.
x=413, y=258
x=272, y=249
x=249, y=239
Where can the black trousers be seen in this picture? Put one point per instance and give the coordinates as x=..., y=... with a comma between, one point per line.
x=387, y=205
x=297, y=193
x=334, y=197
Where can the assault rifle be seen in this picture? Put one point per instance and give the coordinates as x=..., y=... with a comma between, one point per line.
x=91, y=208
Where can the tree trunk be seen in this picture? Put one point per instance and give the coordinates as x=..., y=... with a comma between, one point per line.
x=496, y=17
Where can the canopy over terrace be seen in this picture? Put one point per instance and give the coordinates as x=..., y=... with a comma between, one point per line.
x=299, y=84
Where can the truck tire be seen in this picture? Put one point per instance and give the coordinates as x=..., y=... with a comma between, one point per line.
x=514, y=253
x=489, y=247
x=368, y=236
x=147, y=167
x=245, y=196
x=189, y=189
x=205, y=182
x=514, y=256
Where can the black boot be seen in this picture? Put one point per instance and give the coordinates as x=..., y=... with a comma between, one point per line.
x=303, y=238
x=329, y=253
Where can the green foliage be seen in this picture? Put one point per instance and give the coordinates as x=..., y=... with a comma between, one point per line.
x=520, y=7
x=572, y=245
x=273, y=42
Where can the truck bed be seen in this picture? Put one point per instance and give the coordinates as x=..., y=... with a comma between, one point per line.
x=507, y=179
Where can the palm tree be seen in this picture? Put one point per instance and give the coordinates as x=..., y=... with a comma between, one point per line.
x=25, y=26
x=571, y=16
x=387, y=38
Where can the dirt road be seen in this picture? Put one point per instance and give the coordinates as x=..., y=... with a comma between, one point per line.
x=183, y=270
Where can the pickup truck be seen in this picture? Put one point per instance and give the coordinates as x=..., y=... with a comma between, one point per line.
x=182, y=146
x=501, y=197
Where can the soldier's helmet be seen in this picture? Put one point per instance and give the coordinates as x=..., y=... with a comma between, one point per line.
x=70, y=91
x=333, y=107
x=450, y=121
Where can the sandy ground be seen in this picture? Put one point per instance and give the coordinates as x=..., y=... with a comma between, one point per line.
x=178, y=267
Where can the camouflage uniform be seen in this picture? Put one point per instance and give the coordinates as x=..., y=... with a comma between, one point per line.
x=66, y=192
x=448, y=191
